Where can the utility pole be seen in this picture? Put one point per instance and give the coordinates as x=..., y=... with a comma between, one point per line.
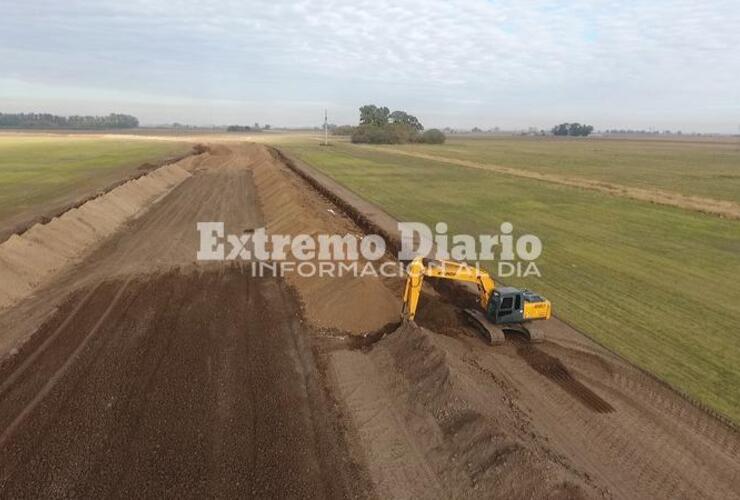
x=326, y=129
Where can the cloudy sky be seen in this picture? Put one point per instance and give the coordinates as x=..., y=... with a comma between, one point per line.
x=460, y=63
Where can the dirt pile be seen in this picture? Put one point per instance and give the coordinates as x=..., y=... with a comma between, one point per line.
x=487, y=452
x=420, y=405
x=29, y=259
x=344, y=303
x=438, y=315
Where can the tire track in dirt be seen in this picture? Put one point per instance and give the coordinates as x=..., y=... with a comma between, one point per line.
x=60, y=372
x=554, y=369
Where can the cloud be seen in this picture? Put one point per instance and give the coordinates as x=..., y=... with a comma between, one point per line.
x=625, y=54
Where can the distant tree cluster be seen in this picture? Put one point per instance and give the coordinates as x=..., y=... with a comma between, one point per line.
x=246, y=128
x=378, y=125
x=238, y=128
x=572, y=129
x=49, y=121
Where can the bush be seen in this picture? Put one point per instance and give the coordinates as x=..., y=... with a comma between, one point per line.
x=373, y=134
x=432, y=136
x=403, y=132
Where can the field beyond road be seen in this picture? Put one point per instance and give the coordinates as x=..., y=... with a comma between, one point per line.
x=701, y=167
x=41, y=173
x=657, y=284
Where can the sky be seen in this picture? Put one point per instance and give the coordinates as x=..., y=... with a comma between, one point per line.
x=459, y=63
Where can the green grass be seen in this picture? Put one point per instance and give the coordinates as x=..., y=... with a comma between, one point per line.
x=37, y=169
x=660, y=285
x=689, y=167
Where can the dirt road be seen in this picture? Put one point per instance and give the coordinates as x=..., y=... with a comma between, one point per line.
x=159, y=377
x=182, y=384
x=140, y=372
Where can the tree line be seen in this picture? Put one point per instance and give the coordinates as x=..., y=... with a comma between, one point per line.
x=573, y=129
x=247, y=128
x=378, y=125
x=49, y=121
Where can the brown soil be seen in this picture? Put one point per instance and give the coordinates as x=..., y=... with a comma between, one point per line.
x=348, y=304
x=722, y=208
x=140, y=372
x=146, y=386
x=30, y=259
x=554, y=369
x=430, y=433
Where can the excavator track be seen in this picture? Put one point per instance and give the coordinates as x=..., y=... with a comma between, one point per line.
x=533, y=333
x=530, y=331
x=492, y=333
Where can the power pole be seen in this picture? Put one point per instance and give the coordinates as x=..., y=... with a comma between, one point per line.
x=326, y=129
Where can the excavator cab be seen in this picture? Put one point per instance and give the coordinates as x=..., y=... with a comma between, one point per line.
x=514, y=305
x=506, y=305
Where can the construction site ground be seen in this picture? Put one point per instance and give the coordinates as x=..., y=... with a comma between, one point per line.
x=136, y=370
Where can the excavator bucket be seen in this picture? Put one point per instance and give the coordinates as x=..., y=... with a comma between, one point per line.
x=492, y=333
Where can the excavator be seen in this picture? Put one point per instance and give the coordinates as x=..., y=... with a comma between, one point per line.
x=502, y=308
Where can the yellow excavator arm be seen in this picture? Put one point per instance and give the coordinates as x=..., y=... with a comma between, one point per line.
x=512, y=308
x=458, y=271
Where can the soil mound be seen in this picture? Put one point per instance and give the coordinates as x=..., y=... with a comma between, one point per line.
x=355, y=305
x=27, y=260
x=438, y=315
x=470, y=446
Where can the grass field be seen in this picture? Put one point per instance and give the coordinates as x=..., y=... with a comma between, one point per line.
x=690, y=167
x=37, y=171
x=657, y=284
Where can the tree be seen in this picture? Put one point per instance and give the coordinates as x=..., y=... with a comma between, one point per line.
x=561, y=129
x=379, y=126
x=406, y=119
x=573, y=129
x=370, y=114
